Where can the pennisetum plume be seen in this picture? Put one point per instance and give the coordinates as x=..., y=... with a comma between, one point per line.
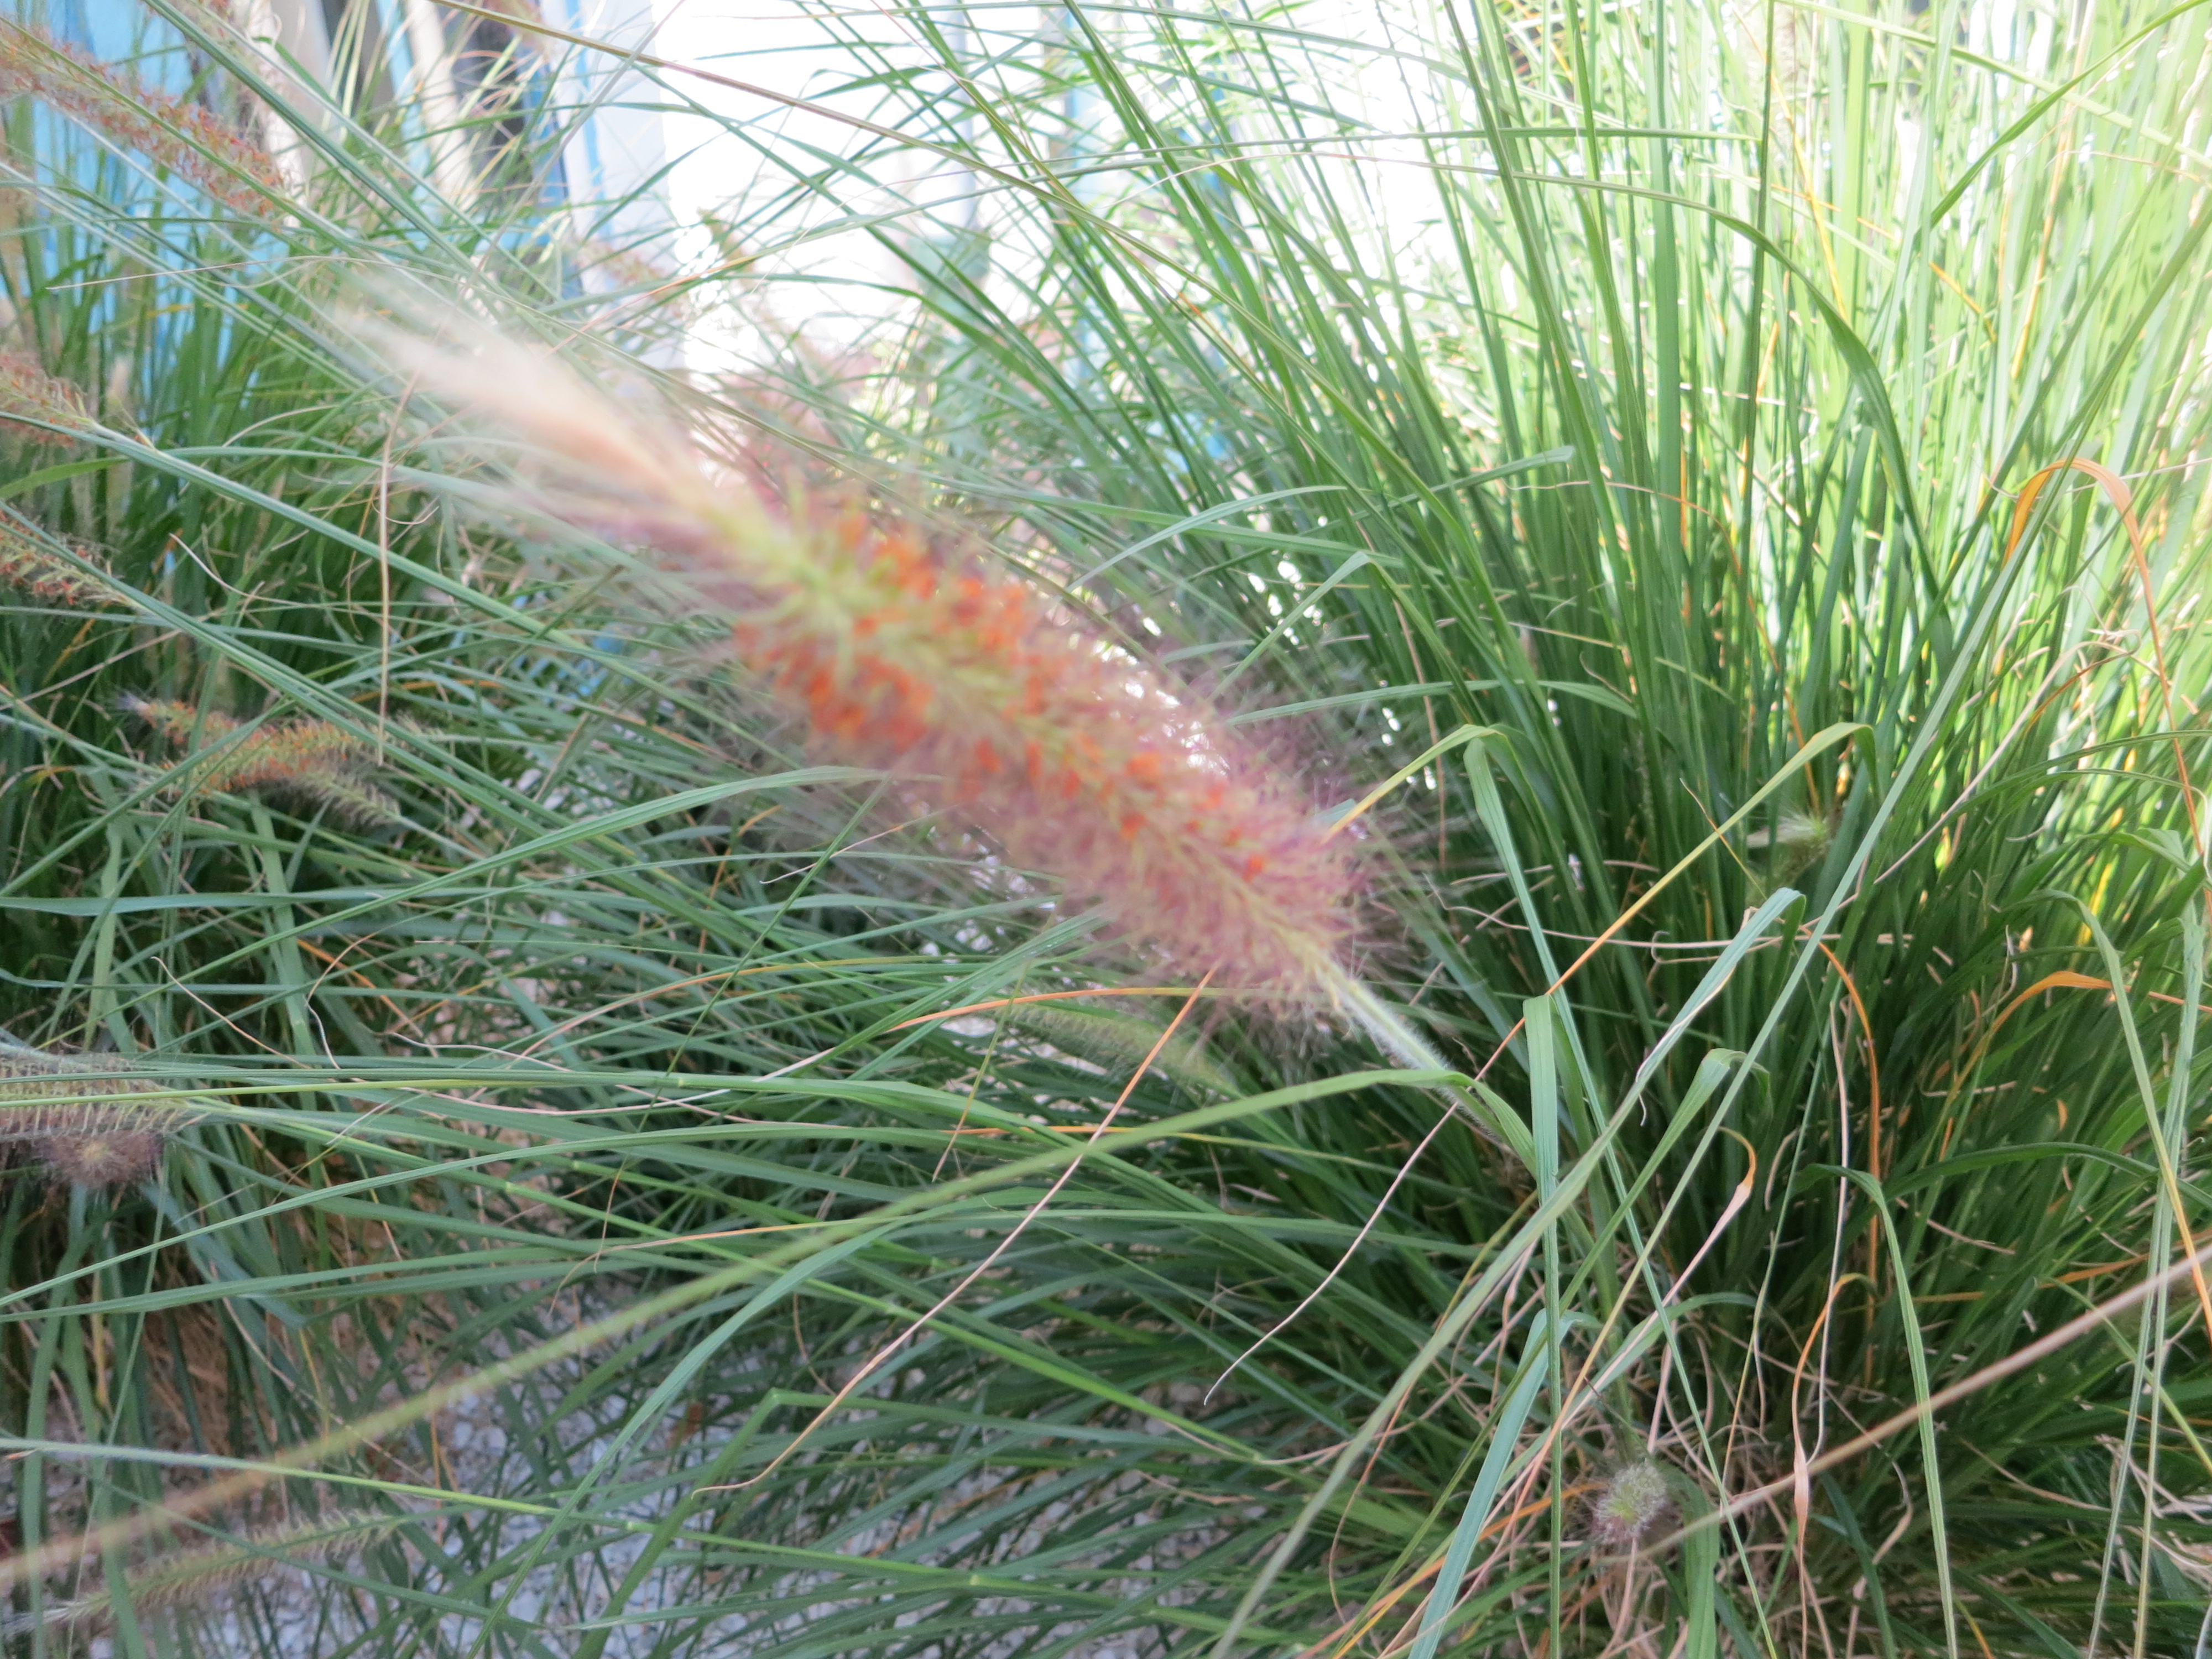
x=974, y=687
x=188, y=1575
x=312, y=760
x=37, y=569
x=1629, y=1505
x=84, y=1128
x=174, y=133
x=34, y=403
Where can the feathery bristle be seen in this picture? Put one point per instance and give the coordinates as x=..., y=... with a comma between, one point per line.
x=44, y=574
x=312, y=760
x=1080, y=760
x=85, y=1129
x=190, y=1574
x=172, y=133
x=29, y=394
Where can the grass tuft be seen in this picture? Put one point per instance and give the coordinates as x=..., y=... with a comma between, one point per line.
x=1720, y=491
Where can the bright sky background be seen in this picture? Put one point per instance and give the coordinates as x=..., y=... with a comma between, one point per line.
x=715, y=170
x=780, y=46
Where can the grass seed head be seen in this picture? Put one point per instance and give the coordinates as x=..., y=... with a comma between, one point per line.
x=1797, y=841
x=34, y=402
x=189, y=1575
x=1629, y=1507
x=26, y=564
x=84, y=1129
x=974, y=687
x=1117, y=1040
x=101, y=1157
x=175, y=134
x=310, y=760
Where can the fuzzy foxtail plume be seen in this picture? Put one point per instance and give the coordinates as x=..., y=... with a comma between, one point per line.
x=974, y=687
x=34, y=403
x=27, y=563
x=174, y=133
x=85, y=1129
x=191, y=1575
x=311, y=760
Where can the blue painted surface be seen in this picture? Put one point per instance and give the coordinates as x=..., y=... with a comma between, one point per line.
x=123, y=31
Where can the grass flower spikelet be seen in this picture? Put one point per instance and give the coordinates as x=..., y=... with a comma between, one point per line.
x=310, y=760
x=85, y=1129
x=1634, y=1499
x=972, y=686
x=174, y=133
x=29, y=394
x=26, y=564
x=190, y=1575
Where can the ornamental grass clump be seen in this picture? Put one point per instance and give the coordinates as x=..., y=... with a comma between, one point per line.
x=174, y=133
x=312, y=761
x=81, y=1124
x=645, y=1105
x=976, y=689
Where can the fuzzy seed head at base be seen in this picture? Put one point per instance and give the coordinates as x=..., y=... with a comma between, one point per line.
x=91, y=1157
